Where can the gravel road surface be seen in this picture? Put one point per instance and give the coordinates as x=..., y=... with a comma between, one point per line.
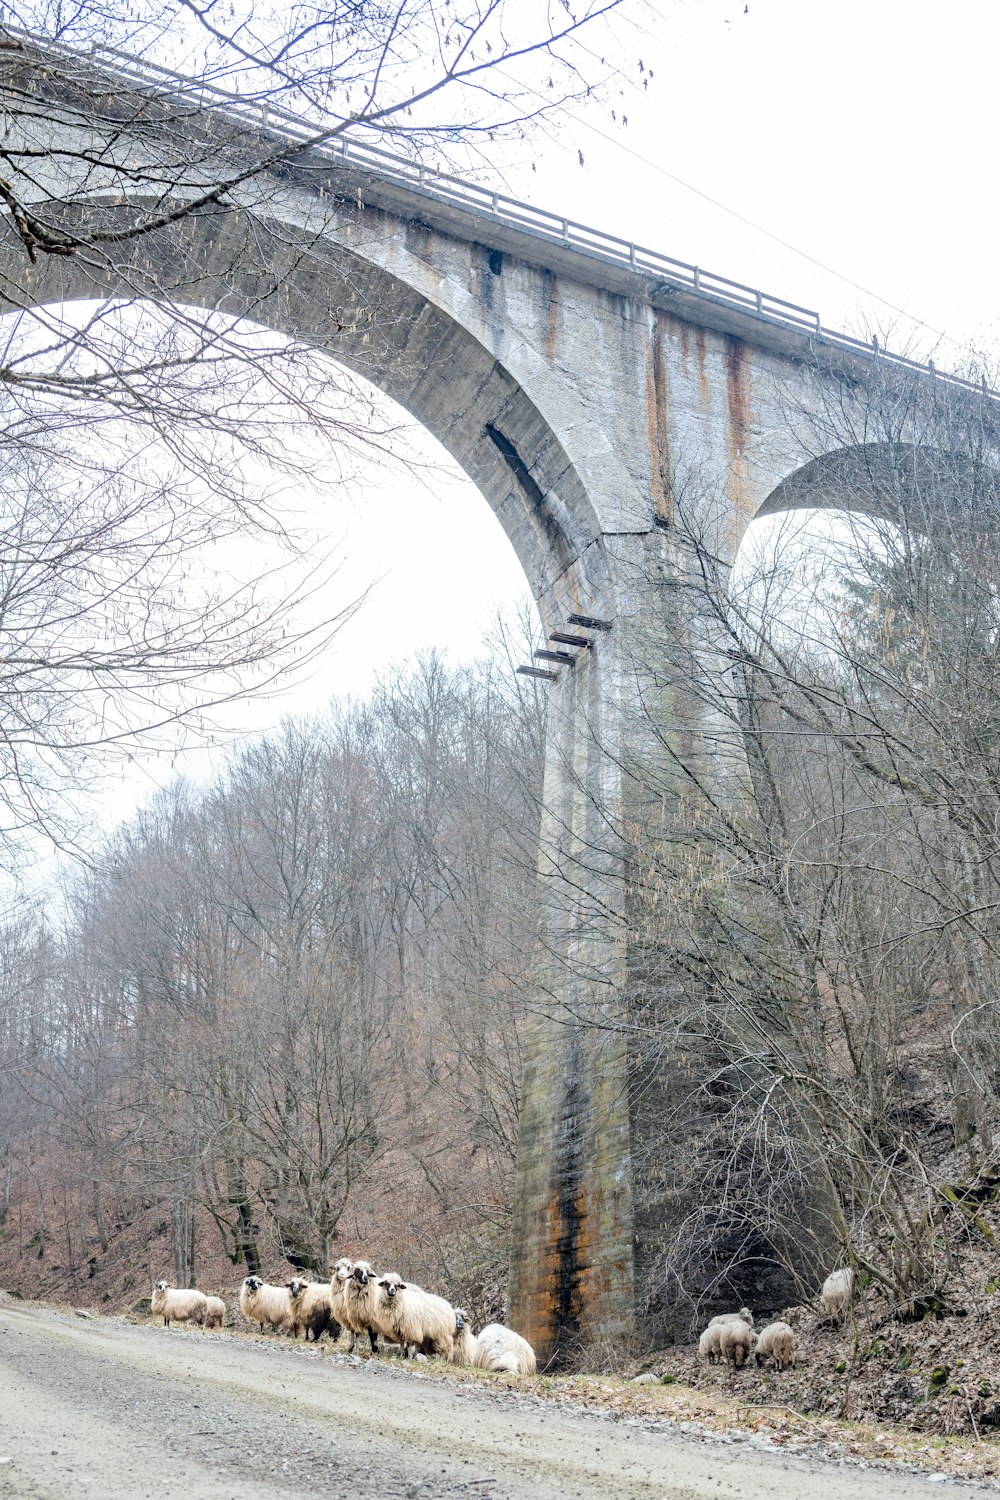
x=105, y=1409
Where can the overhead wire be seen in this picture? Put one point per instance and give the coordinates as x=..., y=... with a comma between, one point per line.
x=768, y=234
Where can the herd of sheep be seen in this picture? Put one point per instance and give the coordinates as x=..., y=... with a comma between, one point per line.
x=358, y=1301
x=731, y=1338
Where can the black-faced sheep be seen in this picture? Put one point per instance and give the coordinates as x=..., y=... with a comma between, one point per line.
x=464, y=1352
x=415, y=1319
x=500, y=1348
x=269, y=1306
x=178, y=1304
x=215, y=1312
x=836, y=1293
x=776, y=1343
x=311, y=1309
x=356, y=1307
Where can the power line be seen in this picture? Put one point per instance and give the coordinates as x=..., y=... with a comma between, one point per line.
x=768, y=234
x=741, y=218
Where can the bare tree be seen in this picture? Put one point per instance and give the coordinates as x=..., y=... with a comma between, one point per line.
x=294, y=1001
x=815, y=894
x=148, y=440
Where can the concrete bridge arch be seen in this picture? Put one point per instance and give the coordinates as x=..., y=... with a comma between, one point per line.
x=588, y=393
x=481, y=391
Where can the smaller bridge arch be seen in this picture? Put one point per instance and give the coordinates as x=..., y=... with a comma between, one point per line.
x=912, y=484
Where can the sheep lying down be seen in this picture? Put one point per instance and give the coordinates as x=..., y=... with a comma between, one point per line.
x=500, y=1348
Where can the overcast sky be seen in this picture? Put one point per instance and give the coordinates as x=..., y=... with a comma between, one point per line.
x=831, y=153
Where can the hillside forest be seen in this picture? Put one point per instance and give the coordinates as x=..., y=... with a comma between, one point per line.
x=282, y=1015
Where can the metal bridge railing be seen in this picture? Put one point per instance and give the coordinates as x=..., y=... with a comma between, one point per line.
x=341, y=148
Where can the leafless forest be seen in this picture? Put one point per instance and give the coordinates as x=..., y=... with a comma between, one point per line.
x=815, y=867
x=313, y=974
x=284, y=1013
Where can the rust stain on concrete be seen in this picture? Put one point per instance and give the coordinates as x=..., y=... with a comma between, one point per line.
x=657, y=423
x=551, y=283
x=704, y=389
x=738, y=426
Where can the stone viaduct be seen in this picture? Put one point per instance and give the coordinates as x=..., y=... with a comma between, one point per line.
x=578, y=380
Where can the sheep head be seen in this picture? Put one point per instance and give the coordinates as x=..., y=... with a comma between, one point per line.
x=363, y=1272
x=253, y=1283
x=391, y=1284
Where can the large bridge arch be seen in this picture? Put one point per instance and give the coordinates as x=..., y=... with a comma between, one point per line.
x=482, y=388
x=482, y=392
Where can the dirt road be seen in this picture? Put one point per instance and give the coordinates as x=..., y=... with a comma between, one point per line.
x=118, y=1412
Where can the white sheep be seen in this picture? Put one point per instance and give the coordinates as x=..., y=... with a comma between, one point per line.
x=735, y=1342
x=710, y=1343
x=178, y=1304
x=415, y=1319
x=776, y=1343
x=500, y=1348
x=836, y=1293
x=311, y=1309
x=215, y=1312
x=270, y=1306
x=464, y=1352
x=339, y=1277
x=744, y=1314
x=356, y=1307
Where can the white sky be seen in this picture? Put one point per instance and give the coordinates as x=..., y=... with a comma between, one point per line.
x=855, y=131
x=823, y=151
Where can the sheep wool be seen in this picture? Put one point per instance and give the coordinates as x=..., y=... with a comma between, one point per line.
x=464, y=1352
x=178, y=1304
x=416, y=1319
x=836, y=1293
x=215, y=1312
x=776, y=1343
x=500, y=1348
x=269, y=1306
x=311, y=1308
x=356, y=1309
x=744, y=1314
x=735, y=1342
x=710, y=1345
